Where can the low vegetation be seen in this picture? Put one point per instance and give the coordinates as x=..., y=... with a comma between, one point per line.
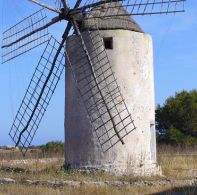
x=50, y=149
x=84, y=190
x=53, y=148
x=178, y=162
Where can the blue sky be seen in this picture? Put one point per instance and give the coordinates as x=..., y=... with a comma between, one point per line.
x=175, y=65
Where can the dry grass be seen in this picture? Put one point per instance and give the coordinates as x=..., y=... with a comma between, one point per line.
x=83, y=190
x=31, y=153
x=51, y=169
x=179, y=166
x=176, y=162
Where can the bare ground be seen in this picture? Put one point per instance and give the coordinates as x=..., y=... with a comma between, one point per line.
x=41, y=175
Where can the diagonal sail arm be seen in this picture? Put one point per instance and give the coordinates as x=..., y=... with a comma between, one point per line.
x=65, y=4
x=46, y=6
x=95, y=79
x=43, y=88
x=98, y=87
x=38, y=94
x=112, y=8
x=40, y=90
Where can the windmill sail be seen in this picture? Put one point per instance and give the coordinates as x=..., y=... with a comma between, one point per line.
x=111, y=8
x=58, y=3
x=38, y=95
x=98, y=89
x=15, y=41
x=88, y=60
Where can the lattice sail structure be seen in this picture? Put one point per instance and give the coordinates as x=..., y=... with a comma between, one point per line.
x=38, y=96
x=99, y=90
x=16, y=40
x=91, y=69
x=113, y=8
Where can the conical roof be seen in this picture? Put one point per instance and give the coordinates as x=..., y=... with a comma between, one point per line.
x=109, y=23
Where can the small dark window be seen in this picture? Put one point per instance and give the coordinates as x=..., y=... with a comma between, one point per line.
x=108, y=42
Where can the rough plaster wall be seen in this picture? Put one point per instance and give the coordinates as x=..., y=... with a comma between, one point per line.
x=131, y=60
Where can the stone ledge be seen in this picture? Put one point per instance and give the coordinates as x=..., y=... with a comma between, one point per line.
x=76, y=184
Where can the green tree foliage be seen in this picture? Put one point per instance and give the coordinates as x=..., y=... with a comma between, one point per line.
x=176, y=120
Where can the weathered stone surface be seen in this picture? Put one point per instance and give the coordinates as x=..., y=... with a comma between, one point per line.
x=72, y=183
x=98, y=16
x=6, y=180
x=76, y=184
x=132, y=63
x=97, y=183
x=27, y=182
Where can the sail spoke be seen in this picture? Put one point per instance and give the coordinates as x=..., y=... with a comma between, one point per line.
x=38, y=95
x=99, y=89
x=114, y=8
x=15, y=41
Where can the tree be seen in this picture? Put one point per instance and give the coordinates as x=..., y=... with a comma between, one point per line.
x=176, y=120
x=53, y=146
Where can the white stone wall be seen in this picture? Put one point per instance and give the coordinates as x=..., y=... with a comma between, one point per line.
x=132, y=62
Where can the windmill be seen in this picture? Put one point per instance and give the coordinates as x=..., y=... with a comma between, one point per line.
x=101, y=92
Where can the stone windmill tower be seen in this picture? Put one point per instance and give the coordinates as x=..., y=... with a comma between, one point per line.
x=109, y=104
x=130, y=54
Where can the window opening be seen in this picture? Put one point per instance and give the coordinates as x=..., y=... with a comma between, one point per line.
x=108, y=42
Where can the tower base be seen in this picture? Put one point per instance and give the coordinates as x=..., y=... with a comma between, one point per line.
x=144, y=170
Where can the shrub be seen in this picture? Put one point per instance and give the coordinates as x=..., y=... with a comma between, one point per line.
x=53, y=147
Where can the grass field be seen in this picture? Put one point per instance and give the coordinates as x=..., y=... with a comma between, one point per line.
x=178, y=163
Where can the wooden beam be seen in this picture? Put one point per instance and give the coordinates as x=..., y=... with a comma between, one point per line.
x=46, y=6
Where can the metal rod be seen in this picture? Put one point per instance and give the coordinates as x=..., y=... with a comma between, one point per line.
x=69, y=25
x=46, y=6
x=77, y=4
x=53, y=21
x=65, y=35
x=65, y=4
